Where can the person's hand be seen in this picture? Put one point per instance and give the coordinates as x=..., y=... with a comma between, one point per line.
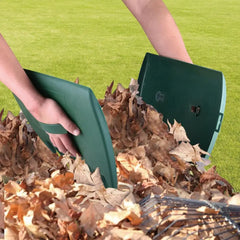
x=49, y=112
x=43, y=109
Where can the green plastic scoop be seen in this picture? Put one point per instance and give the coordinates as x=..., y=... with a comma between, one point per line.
x=195, y=96
x=94, y=143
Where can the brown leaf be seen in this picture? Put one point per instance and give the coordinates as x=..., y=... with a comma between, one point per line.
x=1, y=114
x=178, y=131
x=10, y=233
x=167, y=172
x=73, y=231
x=131, y=168
x=76, y=80
x=155, y=121
x=115, y=217
x=63, y=181
x=81, y=171
x=211, y=174
x=5, y=154
x=234, y=200
x=12, y=188
x=31, y=227
x=207, y=210
x=45, y=154
x=125, y=234
x=64, y=200
x=90, y=217
x=188, y=153
x=1, y=215
x=62, y=210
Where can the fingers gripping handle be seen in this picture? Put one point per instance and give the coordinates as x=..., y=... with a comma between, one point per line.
x=53, y=128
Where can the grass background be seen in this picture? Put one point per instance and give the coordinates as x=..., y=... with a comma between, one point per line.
x=100, y=41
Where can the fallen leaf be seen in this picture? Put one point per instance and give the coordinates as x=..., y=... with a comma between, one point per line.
x=28, y=223
x=126, y=234
x=207, y=210
x=1, y=216
x=178, y=132
x=90, y=217
x=234, y=200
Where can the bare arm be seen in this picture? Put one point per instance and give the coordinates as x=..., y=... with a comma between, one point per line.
x=43, y=109
x=160, y=28
x=13, y=76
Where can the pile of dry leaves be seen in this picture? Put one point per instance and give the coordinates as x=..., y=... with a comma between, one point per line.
x=44, y=196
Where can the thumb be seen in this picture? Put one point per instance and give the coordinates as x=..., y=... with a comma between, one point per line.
x=69, y=126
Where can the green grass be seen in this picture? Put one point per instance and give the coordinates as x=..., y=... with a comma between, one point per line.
x=100, y=41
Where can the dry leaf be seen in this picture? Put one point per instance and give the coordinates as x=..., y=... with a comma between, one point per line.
x=211, y=174
x=32, y=228
x=51, y=197
x=90, y=217
x=207, y=210
x=186, y=152
x=126, y=234
x=178, y=131
x=234, y=200
x=1, y=215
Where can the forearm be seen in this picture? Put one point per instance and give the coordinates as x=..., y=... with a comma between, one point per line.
x=14, y=77
x=159, y=27
x=43, y=109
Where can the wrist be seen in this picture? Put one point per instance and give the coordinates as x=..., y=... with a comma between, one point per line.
x=33, y=103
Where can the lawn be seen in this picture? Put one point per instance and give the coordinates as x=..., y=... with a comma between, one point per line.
x=100, y=41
